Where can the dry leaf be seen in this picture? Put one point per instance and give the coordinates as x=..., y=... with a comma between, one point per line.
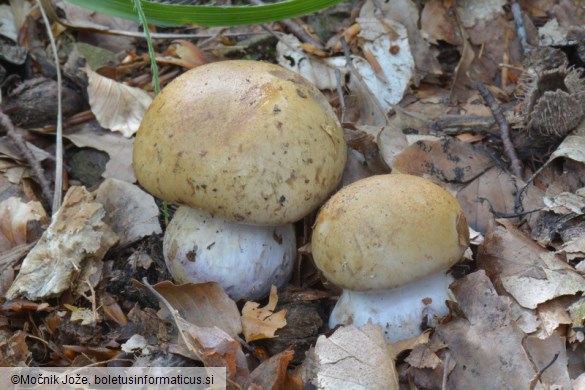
x=184, y=53
x=554, y=313
x=134, y=343
x=496, y=189
x=352, y=358
x=447, y=159
x=519, y=266
x=116, y=106
x=20, y=222
x=542, y=353
x=422, y=356
x=202, y=304
x=130, y=212
x=14, y=350
x=388, y=67
x=261, y=322
x=272, y=373
x=320, y=72
x=215, y=348
x=406, y=13
x=86, y=316
x=487, y=344
x=76, y=238
x=118, y=147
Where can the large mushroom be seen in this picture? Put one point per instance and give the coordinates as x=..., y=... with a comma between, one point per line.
x=241, y=142
x=388, y=241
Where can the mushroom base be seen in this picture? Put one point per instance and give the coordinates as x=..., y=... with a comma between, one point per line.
x=401, y=312
x=245, y=260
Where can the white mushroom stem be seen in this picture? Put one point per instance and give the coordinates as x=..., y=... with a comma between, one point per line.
x=245, y=260
x=401, y=311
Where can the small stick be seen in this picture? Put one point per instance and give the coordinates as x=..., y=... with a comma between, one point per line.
x=340, y=93
x=446, y=370
x=58, y=194
x=6, y=123
x=504, y=129
x=520, y=30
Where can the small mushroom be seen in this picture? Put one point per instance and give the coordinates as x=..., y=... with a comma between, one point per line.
x=245, y=260
x=249, y=141
x=388, y=241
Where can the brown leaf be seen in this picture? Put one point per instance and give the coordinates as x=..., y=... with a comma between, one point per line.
x=496, y=189
x=202, y=304
x=447, y=160
x=112, y=309
x=487, y=344
x=215, y=348
x=547, y=351
x=14, y=350
x=423, y=357
x=184, y=53
x=261, y=322
x=272, y=373
x=519, y=266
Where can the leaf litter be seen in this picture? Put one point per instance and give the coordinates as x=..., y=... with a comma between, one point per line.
x=404, y=85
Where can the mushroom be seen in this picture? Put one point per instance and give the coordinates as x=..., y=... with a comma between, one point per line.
x=245, y=260
x=238, y=142
x=249, y=141
x=388, y=241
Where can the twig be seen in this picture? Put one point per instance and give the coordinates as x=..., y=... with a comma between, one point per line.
x=446, y=370
x=297, y=29
x=6, y=123
x=504, y=129
x=340, y=93
x=499, y=214
x=57, y=198
x=540, y=372
x=520, y=30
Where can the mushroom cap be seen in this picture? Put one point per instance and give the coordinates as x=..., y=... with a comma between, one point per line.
x=386, y=231
x=250, y=141
x=245, y=260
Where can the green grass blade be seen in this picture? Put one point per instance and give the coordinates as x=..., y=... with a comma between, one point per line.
x=206, y=15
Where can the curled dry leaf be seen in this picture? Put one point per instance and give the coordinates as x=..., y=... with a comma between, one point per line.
x=356, y=358
x=19, y=222
x=184, y=53
x=76, y=238
x=215, y=348
x=130, y=212
x=116, y=106
x=261, y=322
